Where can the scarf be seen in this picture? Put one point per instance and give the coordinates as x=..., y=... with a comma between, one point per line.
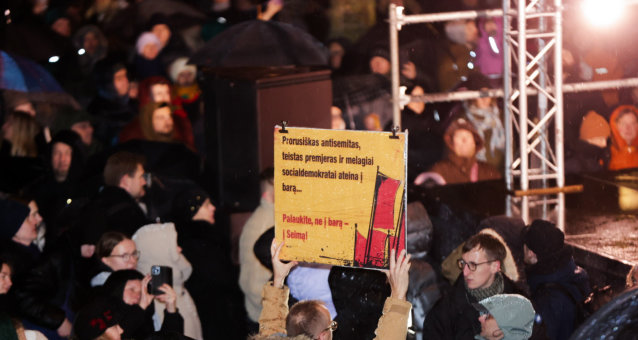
x=497, y=287
x=487, y=120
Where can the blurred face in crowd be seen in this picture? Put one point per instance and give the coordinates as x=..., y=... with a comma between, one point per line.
x=379, y=65
x=132, y=292
x=529, y=256
x=135, y=184
x=489, y=328
x=483, y=276
x=162, y=32
x=627, y=127
x=417, y=108
x=123, y=256
x=163, y=121
x=372, y=123
x=471, y=31
x=113, y=333
x=150, y=51
x=5, y=278
x=120, y=82
x=62, y=26
x=161, y=93
x=337, y=122
x=90, y=43
x=85, y=130
x=336, y=55
x=206, y=212
x=186, y=78
x=61, y=160
x=463, y=142
x=483, y=102
x=29, y=229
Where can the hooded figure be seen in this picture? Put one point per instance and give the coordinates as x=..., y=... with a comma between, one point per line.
x=92, y=47
x=557, y=284
x=513, y=314
x=624, y=138
x=589, y=153
x=158, y=123
x=157, y=244
x=460, y=164
x=213, y=284
x=112, y=108
x=137, y=323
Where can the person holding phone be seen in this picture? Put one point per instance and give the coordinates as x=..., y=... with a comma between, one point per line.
x=134, y=301
x=158, y=245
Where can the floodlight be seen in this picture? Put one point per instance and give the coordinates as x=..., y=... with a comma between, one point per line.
x=602, y=13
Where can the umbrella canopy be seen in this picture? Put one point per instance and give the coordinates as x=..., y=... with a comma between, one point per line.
x=614, y=320
x=261, y=44
x=23, y=75
x=129, y=22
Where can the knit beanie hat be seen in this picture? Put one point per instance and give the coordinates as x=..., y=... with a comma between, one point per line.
x=513, y=313
x=594, y=125
x=64, y=120
x=179, y=65
x=458, y=124
x=544, y=239
x=12, y=214
x=93, y=320
x=187, y=203
x=145, y=39
x=115, y=284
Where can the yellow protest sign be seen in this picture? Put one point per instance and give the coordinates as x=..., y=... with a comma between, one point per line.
x=340, y=196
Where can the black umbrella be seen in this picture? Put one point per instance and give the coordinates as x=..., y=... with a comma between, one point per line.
x=615, y=320
x=129, y=22
x=259, y=43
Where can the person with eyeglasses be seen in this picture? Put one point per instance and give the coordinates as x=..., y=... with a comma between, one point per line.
x=311, y=319
x=454, y=315
x=114, y=252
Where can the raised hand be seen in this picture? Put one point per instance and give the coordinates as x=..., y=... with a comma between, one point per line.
x=399, y=274
x=280, y=269
x=169, y=297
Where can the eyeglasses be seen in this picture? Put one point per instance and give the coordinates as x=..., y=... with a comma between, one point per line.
x=470, y=265
x=333, y=326
x=127, y=257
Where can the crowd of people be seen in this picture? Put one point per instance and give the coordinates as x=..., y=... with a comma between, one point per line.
x=96, y=193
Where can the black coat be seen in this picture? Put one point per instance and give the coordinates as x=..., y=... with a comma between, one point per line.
x=213, y=283
x=47, y=289
x=137, y=323
x=454, y=317
x=582, y=157
x=113, y=209
x=556, y=286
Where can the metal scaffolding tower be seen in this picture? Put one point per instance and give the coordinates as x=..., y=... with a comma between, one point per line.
x=535, y=164
x=538, y=21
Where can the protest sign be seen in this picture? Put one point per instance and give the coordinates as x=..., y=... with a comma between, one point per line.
x=340, y=196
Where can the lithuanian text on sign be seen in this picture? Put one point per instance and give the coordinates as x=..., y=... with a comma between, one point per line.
x=340, y=195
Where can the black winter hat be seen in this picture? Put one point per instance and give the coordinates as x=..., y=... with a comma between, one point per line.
x=93, y=320
x=12, y=214
x=187, y=203
x=544, y=239
x=115, y=284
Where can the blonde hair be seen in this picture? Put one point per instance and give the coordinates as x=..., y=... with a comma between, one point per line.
x=24, y=129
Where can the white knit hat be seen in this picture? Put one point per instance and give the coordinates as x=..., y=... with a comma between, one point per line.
x=145, y=39
x=179, y=65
